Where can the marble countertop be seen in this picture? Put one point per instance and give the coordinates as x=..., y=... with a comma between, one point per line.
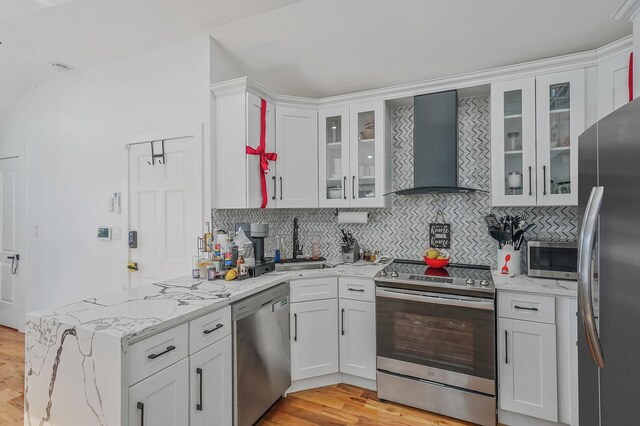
x=525, y=283
x=145, y=310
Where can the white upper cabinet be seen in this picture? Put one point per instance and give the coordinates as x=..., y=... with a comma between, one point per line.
x=560, y=119
x=613, y=82
x=290, y=132
x=297, y=164
x=254, y=186
x=535, y=124
x=513, y=143
x=354, y=156
x=333, y=135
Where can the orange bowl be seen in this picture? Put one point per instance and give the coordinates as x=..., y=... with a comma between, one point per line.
x=436, y=263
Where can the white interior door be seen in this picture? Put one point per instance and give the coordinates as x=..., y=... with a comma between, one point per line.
x=165, y=208
x=12, y=290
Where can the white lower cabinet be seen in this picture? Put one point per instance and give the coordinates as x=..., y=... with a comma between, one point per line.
x=332, y=334
x=537, y=359
x=177, y=384
x=358, y=338
x=162, y=399
x=528, y=375
x=314, y=346
x=211, y=384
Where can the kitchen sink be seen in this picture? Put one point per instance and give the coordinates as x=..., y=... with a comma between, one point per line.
x=300, y=264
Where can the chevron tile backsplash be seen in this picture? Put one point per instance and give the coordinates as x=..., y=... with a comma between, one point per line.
x=402, y=230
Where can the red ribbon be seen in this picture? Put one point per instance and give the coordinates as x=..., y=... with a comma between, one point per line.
x=631, y=77
x=265, y=157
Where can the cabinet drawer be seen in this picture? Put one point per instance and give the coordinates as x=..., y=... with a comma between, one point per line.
x=155, y=353
x=314, y=289
x=357, y=289
x=209, y=329
x=528, y=307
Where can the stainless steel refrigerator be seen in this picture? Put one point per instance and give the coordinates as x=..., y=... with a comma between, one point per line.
x=609, y=270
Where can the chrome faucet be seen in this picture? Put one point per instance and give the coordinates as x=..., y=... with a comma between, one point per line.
x=297, y=247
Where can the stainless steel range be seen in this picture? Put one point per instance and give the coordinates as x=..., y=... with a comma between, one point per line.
x=436, y=339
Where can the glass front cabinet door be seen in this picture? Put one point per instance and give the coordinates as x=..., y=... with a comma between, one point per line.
x=352, y=156
x=535, y=124
x=513, y=143
x=367, y=154
x=560, y=110
x=334, y=157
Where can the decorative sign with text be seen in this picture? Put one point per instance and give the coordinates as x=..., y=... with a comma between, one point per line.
x=440, y=232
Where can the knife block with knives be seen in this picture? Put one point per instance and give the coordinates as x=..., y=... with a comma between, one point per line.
x=350, y=248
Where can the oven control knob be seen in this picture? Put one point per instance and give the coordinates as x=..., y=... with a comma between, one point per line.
x=470, y=282
x=394, y=274
x=383, y=273
x=484, y=283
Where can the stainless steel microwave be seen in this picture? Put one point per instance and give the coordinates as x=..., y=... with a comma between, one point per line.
x=550, y=259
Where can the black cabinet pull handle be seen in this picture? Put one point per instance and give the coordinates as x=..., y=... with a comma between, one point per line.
x=295, y=327
x=217, y=327
x=140, y=406
x=274, y=187
x=526, y=308
x=529, y=180
x=506, y=347
x=199, y=373
x=344, y=187
x=342, y=327
x=353, y=187
x=544, y=180
x=359, y=290
x=166, y=351
x=281, y=187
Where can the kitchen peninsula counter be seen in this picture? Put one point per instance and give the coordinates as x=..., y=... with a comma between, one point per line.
x=80, y=349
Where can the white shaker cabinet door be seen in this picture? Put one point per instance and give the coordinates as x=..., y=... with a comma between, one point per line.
x=211, y=385
x=528, y=376
x=162, y=399
x=358, y=338
x=314, y=342
x=297, y=164
x=253, y=123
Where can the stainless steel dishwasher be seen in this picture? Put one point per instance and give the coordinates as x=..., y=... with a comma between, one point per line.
x=261, y=353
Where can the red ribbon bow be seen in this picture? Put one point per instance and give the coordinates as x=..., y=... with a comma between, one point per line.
x=265, y=157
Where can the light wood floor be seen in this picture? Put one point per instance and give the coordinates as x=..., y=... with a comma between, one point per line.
x=347, y=405
x=11, y=376
x=328, y=406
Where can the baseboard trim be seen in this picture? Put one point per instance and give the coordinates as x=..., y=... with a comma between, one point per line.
x=329, y=380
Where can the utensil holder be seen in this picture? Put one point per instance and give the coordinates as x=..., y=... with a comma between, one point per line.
x=509, y=261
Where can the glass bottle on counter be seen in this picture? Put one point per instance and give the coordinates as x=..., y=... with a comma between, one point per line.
x=208, y=238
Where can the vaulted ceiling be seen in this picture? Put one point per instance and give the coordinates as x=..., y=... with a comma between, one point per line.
x=302, y=47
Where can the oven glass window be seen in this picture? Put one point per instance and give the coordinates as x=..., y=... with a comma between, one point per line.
x=554, y=259
x=452, y=338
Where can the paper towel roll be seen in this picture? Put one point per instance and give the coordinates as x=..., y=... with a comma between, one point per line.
x=353, y=217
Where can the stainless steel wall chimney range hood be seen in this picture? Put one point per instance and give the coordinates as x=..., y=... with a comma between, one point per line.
x=435, y=145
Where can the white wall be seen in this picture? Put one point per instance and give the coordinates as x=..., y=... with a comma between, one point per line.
x=72, y=129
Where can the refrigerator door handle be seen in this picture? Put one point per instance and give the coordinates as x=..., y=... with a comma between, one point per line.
x=585, y=273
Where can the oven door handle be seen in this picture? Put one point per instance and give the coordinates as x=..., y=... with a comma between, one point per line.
x=486, y=305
